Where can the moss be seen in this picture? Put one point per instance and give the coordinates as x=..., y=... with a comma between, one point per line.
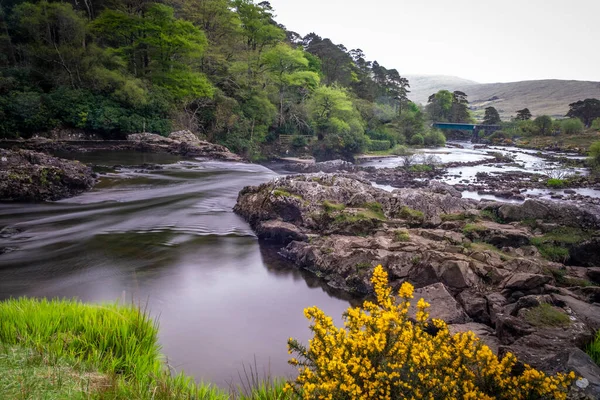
x=546, y=315
x=411, y=214
x=285, y=193
x=376, y=208
x=401, y=236
x=330, y=206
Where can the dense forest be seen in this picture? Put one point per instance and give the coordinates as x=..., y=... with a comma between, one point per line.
x=224, y=69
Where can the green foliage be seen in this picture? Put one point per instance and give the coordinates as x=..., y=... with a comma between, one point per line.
x=376, y=209
x=330, y=206
x=586, y=110
x=593, y=349
x=571, y=126
x=491, y=116
x=555, y=183
x=523, y=115
x=555, y=245
x=596, y=124
x=594, y=155
x=546, y=315
x=417, y=140
x=543, y=124
x=411, y=214
x=472, y=228
x=401, y=236
x=379, y=145
x=420, y=168
x=434, y=138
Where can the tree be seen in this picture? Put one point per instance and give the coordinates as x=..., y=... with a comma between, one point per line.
x=594, y=153
x=571, y=126
x=543, y=123
x=444, y=106
x=491, y=116
x=336, y=121
x=523, y=115
x=586, y=110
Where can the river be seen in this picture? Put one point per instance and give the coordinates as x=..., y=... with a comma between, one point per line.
x=168, y=238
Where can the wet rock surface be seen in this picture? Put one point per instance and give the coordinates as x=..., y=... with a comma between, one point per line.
x=30, y=176
x=471, y=268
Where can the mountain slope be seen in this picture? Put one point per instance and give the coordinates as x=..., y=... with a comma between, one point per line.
x=551, y=96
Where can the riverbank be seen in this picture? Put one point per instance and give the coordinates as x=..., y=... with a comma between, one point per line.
x=483, y=266
x=67, y=349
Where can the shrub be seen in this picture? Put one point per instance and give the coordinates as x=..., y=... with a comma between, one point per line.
x=571, y=126
x=434, y=138
x=379, y=145
x=299, y=141
x=417, y=140
x=400, y=150
x=381, y=353
x=594, y=155
x=596, y=124
x=555, y=183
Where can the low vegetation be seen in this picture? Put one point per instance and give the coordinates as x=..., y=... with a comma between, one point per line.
x=555, y=183
x=381, y=353
x=412, y=215
x=401, y=235
x=555, y=244
x=546, y=315
x=593, y=349
x=66, y=349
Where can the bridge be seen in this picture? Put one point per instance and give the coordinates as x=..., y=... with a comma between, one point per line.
x=475, y=128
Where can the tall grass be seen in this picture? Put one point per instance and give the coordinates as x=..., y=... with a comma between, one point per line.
x=593, y=349
x=120, y=341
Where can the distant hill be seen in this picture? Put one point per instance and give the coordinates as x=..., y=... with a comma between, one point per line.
x=551, y=96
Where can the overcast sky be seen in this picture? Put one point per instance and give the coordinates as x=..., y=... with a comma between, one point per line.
x=486, y=41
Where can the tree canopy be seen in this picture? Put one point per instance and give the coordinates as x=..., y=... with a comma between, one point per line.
x=224, y=69
x=491, y=116
x=586, y=110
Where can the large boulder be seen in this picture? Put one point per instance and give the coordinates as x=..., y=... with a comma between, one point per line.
x=586, y=253
x=26, y=175
x=524, y=282
x=443, y=305
x=149, y=138
x=279, y=232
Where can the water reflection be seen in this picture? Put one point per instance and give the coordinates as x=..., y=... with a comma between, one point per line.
x=175, y=244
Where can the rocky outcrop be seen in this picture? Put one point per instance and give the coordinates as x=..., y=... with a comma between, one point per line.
x=324, y=166
x=30, y=176
x=471, y=268
x=574, y=215
x=184, y=143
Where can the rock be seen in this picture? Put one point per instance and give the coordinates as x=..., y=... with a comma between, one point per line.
x=573, y=359
x=26, y=175
x=280, y=232
x=475, y=305
x=149, y=138
x=594, y=274
x=184, y=136
x=509, y=328
x=567, y=214
x=443, y=305
x=503, y=235
x=530, y=301
x=483, y=332
x=325, y=166
x=524, y=281
x=586, y=253
x=456, y=274
x=588, y=313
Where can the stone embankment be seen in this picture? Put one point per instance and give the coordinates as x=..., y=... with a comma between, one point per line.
x=487, y=267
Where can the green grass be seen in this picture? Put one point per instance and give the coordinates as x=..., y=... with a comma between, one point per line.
x=375, y=208
x=593, y=349
x=555, y=245
x=470, y=228
x=28, y=374
x=410, y=214
x=331, y=206
x=401, y=236
x=555, y=183
x=285, y=193
x=116, y=344
x=546, y=315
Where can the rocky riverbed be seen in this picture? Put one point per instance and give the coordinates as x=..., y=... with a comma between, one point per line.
x=524, y=277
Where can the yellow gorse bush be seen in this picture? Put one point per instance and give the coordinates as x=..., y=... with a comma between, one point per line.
x=382, y=354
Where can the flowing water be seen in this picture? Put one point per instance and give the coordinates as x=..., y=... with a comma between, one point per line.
x=168, y=238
